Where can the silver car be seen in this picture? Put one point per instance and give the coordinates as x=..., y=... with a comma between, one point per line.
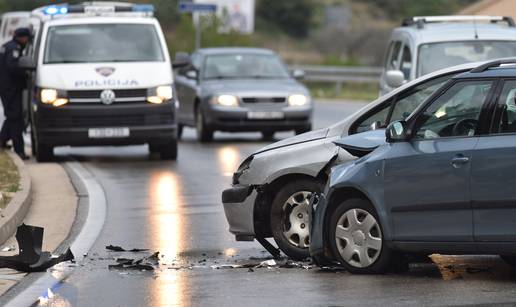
x=272, y=187
x=428, y=43
x=241, y=89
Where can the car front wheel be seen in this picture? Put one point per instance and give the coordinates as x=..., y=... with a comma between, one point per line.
x=289, y=217
x=356, y=238
x=204, y=132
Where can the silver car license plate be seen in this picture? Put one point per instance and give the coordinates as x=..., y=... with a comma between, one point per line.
x=265, y=115
x=105, y=133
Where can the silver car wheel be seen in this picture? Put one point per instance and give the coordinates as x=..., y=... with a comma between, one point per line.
x=358, y=237
x=296, y=224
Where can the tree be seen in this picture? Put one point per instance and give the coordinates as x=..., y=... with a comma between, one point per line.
x=294, y=17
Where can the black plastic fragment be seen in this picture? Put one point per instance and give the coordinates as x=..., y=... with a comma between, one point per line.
x=143, y=264
x=31, y=258
x=116, y=248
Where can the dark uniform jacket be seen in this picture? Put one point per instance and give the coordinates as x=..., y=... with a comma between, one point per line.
x=12, y=78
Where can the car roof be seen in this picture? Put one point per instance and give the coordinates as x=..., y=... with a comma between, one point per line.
x=458, y=31
x=232, y=50
x=495, y=72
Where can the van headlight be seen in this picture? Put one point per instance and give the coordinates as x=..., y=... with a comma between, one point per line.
x=53, y=97
x=160, y=94
x=298, y=100
x=225, y=100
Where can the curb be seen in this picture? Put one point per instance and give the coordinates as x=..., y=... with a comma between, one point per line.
x=18, y=207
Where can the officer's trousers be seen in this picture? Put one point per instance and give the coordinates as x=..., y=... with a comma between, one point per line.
x=12, y=128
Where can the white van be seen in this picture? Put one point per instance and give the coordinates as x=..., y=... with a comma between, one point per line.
x=428, y=43
x=10, y=22
x=101, y=76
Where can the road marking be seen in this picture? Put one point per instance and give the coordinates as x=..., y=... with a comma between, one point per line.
x=80, y=246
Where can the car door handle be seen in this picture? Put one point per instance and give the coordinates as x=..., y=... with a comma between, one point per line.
x=459, y=160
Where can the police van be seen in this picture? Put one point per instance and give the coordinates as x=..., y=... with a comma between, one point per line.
x=100, y=75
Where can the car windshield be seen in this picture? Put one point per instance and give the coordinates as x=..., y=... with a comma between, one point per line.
x=436, y=56
x=228, y=66
x=102, y=43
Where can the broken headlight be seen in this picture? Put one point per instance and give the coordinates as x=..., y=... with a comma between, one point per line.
x=246, y=164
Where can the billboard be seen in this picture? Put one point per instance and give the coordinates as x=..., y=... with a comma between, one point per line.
x=234, y=15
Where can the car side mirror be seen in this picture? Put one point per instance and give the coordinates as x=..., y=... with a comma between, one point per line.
x=191, y=74
x=298, y=74
x=376, y=125
x=394, y=78
x=181, y=59
x=396, y=132
x=27, y=62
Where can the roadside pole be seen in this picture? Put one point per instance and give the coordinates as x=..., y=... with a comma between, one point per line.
x=191, y=7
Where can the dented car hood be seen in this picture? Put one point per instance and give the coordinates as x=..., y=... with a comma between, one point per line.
x=361, y=144
x=302, y=138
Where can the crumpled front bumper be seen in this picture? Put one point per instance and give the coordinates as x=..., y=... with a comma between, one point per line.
x=238, y=204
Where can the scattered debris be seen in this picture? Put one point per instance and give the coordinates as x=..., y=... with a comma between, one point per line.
x=267, y=263
x=147, y=263
x=30, y=257
x=116, y=248
x=8, y=249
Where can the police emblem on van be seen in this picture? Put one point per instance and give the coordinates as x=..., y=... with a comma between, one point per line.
x=105, y=71
x=107, y=97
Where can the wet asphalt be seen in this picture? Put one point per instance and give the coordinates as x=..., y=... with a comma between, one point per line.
x=175, y=208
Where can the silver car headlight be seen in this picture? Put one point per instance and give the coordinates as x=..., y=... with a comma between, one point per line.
x=225, y=100
x=298, y=100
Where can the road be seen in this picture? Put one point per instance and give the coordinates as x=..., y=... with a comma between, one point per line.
x=175, y=208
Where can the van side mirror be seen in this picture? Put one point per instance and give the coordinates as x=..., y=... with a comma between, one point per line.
x=27, y=63
x=298, y=74
x=396, y=132
x=181, y=59
x=394, y=78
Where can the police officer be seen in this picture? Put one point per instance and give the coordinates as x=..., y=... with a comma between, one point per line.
x=12, y=83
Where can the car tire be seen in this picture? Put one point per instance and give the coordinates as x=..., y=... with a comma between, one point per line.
x=169, y=151
x=304, y=130
x=289, y=217
x=43, y=153
x=204, y=132
x=510, y=260
x=359, y=245
x=180, y=131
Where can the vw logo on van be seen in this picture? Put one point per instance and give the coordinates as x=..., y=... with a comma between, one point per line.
x=107, y=97
x=105, y=71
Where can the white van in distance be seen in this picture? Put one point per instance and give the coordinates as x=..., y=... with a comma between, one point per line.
x=101, y=75
x=11, y=21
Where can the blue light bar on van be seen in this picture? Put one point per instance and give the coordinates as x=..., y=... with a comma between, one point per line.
x=55, y=9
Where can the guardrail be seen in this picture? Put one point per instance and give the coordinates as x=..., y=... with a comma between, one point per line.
x=339, y=74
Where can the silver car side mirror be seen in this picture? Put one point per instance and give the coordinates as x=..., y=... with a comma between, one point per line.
x=191, y=74
x=394, y=78
x=298, y=74
x=396, y=132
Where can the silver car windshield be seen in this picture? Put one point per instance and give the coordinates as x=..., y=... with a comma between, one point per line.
x=436, y=56
x=237, y=66
x=102, y=43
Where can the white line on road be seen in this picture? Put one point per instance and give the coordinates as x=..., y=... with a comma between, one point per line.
x=80, y=246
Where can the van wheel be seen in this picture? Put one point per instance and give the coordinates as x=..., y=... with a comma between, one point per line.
x=289, y=217
x=169, y=151
x=43, y=153
x=204, y=132
x=356, y=238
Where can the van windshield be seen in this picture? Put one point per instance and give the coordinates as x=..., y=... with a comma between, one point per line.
x=436, y=56
x=102, y=43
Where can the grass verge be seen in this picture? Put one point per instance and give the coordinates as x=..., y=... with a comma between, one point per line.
x=9, y=179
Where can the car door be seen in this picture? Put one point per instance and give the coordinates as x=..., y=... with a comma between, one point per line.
x=187, y=82
x=493, y=174
x=427, y=179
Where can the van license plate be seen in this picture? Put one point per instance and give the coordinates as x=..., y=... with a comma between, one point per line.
x=105, y=133
x=265, y=115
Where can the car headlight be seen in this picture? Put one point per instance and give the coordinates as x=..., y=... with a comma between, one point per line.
x=297, y=100
x=225, y=100
x=160, y=94
x=53, y=97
